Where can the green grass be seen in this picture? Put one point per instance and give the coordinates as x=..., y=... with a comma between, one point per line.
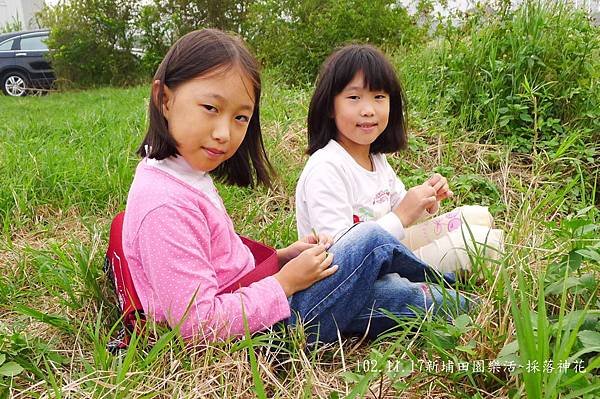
x=66, y=163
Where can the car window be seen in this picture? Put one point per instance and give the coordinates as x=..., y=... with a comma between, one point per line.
x=34, y=43
x=7, y=45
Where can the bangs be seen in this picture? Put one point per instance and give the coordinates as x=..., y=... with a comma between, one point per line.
x=378, y=74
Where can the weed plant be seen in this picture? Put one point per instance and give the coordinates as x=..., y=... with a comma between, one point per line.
x=527, y=77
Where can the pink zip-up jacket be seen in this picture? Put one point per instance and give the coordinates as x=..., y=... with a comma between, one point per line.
x=182, y=251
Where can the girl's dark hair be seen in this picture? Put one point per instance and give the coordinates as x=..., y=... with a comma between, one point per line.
x=198, y=53
x=336, y=72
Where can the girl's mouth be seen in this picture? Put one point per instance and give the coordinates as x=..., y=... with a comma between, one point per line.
x=213, y=152
x=367, y=126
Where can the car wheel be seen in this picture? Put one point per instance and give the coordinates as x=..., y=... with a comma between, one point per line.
x=14, y=84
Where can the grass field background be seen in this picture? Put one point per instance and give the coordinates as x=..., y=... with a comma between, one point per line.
x=66, y=163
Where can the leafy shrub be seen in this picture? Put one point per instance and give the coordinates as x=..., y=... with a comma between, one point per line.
x=296, y=37
x=11, y=26
x=156, y=36
x=91, y=41
x=164, y=21
x=293, y=36
x=524, y=76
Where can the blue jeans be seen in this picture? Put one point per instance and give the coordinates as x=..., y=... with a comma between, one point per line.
x=375, y=271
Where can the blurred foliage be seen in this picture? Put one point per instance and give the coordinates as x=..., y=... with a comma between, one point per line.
x=163, y=21
x=297, y=36
x=524, y=76
x=91, y=42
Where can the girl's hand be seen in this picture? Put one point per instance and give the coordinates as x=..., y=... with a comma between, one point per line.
x=284, y=255
x=313, y=238
x=416, y=200
x=306, y=269
x=432, y=210
x=440, y=185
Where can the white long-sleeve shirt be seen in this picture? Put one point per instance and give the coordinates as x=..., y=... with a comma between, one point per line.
x=334, y=192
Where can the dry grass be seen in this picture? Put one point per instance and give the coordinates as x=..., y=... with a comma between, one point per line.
x=224, y=370
x=217, y=371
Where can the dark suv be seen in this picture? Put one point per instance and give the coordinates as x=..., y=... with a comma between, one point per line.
x=23, y=64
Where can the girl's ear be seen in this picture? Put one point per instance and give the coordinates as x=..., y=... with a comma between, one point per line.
x=166, y=96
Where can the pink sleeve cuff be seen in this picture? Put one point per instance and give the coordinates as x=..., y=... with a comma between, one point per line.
x=283, y=307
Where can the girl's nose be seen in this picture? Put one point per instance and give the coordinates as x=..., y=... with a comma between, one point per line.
x=221, y=133
x=367, y=110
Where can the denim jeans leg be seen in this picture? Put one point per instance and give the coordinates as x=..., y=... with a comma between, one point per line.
x=363, y=254
x=403, y=299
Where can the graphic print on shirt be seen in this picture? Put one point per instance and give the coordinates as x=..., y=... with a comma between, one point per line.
x=380, y=206
x=382, y=197
x=451, y=221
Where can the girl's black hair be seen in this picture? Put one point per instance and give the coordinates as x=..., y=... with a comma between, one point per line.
x=336, y=72
x=195, y=54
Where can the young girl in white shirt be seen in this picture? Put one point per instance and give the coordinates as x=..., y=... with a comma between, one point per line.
x=356, y=115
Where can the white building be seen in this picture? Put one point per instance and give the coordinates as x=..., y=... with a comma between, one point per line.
x=22, y=11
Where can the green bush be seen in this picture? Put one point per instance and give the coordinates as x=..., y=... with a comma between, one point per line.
x=90, y=42
x=161, y=23
x=156, y=36
x=525, y=76
x=296, y=37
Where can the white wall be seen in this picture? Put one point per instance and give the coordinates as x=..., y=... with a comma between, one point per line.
x=20, y=10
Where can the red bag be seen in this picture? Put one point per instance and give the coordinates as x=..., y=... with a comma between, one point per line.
x=115, y=265
x=265, y=264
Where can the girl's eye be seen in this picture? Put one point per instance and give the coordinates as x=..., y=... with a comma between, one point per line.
x=242, y=118
x=353, y=97
x=209, y=107
x=380, y=96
